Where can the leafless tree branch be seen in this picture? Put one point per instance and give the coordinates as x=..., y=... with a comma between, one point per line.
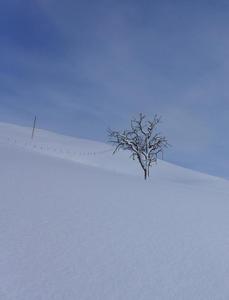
x=141, y=140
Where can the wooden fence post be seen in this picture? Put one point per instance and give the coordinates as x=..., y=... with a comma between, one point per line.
x=34, y=126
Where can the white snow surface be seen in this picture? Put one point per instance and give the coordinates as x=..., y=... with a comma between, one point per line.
x=79, y=223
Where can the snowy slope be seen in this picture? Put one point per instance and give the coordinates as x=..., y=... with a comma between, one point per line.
x=79, y=223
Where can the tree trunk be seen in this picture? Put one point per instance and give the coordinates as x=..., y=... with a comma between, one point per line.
x=147, y=171
x=145, y=174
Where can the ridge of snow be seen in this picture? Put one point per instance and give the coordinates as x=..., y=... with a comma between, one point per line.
x=92, y=153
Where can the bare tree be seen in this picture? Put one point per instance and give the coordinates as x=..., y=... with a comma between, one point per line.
x=141, y=140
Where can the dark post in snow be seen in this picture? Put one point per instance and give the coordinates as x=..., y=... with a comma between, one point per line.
x=34, y=126
x=142, y=140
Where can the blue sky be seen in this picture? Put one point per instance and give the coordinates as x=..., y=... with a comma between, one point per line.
x=84, y=66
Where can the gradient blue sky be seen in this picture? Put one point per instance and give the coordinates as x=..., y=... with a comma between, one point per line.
x=83, y=66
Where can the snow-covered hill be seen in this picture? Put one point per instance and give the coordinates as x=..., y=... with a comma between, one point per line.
x=77, y=222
